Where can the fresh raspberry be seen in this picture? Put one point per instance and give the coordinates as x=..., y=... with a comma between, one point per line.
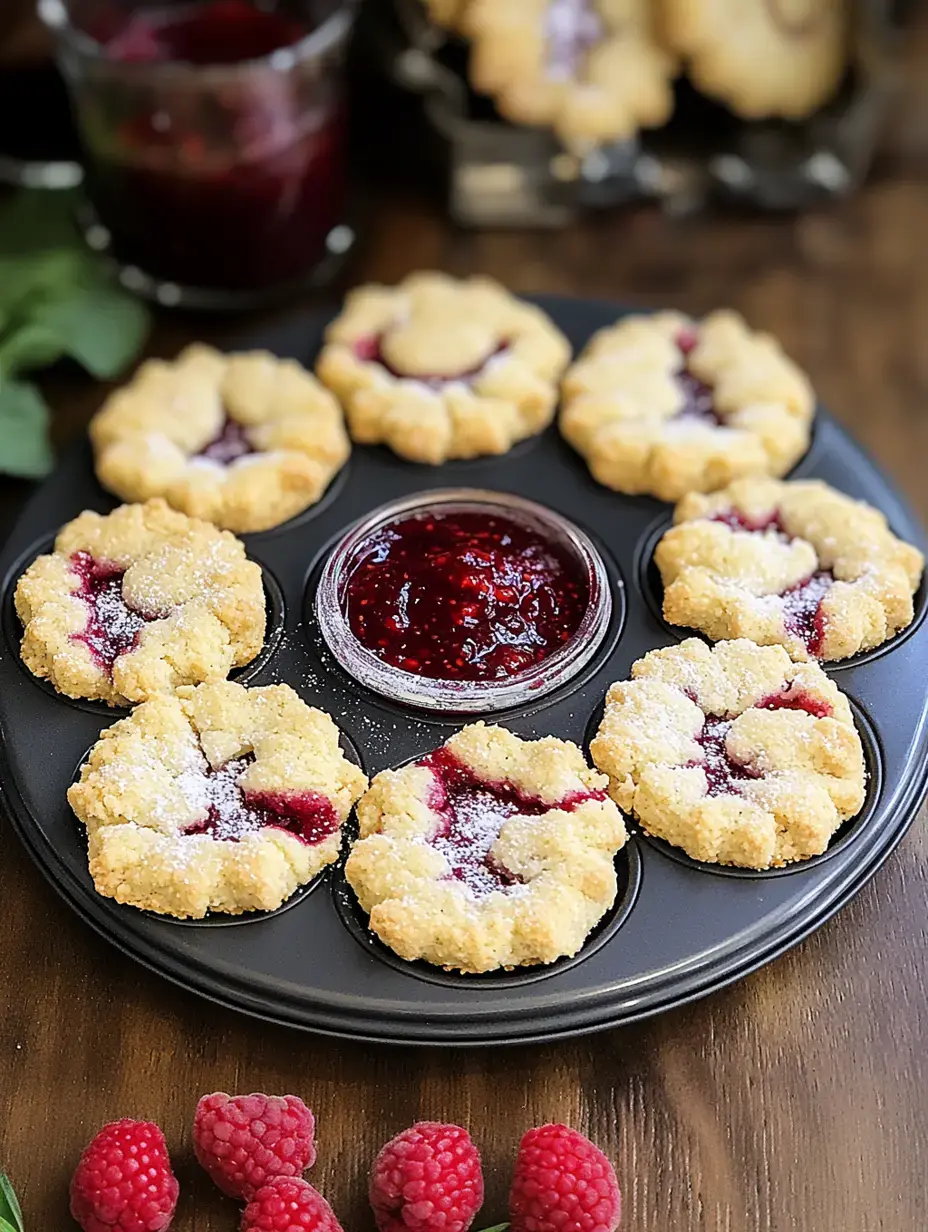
x=124, y=1180
x=245, y=1141
x=289, y=1204
x=563, y=1183
x=427, y=1179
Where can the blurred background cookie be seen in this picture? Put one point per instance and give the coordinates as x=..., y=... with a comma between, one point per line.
x=761, y=57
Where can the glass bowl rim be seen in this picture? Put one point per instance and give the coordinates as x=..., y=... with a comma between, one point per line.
x=454, y=696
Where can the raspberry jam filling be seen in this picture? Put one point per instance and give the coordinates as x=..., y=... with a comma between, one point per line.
x=803, y=617
x=228, y=445
x=112, y=627
x=370, y=351
x=473, y=812
x=698, y=398
x=791, y=697
x=463, y=595
x=734, y=519
x=231, y=814
x=723, y=774
x=572, y=30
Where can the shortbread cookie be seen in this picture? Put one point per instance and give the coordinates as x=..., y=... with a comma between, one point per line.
x=762, y=57
x=245, y=441
x=437, y=368
x=734, y=753
x=220, y=798
x=664, y=405
x=590, y=69
x=792, y=564
x=490, y=852
x=138, y=602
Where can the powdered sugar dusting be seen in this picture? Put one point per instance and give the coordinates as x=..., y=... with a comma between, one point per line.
x=229, y=814
x=723, y=773
x=572, y=29
x=112, y=627
x=802, y=616
x=473, y=813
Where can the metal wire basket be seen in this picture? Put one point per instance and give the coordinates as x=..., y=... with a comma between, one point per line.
x=498, y=174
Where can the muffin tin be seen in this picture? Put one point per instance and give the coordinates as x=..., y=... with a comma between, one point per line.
x=677, y=929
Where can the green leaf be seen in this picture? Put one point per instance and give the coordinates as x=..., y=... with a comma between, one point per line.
x=32, y=345
x=10, y=1213
x=24, y=280
x=55, y=298
x=35, y=220
x=24, y=446
x=98, y=325
x=500, y=1227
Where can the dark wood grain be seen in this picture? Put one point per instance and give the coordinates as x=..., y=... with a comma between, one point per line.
x=793, y=1101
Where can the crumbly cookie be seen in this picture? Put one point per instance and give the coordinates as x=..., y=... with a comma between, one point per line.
x=590, y=69
x=664, y=405
x=245, y=441
x=438, y=368
x=762, y=57
x=137, y=602
x=792, y=564
x=490, y=852
x=734, y=753
x=220, y=798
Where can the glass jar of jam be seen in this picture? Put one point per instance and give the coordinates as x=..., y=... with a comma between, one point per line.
x=214, y=138
x=464, y=601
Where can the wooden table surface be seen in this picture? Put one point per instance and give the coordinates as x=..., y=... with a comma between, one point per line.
x=794, y=1100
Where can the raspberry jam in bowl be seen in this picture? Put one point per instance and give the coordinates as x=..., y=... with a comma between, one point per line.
x=214, y=135
x=464, y=601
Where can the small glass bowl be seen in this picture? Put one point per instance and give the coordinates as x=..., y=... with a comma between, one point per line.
x=464, y=696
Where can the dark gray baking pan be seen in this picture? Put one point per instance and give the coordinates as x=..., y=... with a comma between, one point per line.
x=677, y=931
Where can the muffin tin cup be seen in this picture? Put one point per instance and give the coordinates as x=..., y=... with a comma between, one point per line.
x=679, y=929
x=458, y=696
x=275, y=618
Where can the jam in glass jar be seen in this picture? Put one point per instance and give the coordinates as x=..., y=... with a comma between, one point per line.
x=214, y=135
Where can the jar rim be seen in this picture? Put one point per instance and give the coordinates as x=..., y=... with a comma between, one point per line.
x=331, y=33
x=464, y=696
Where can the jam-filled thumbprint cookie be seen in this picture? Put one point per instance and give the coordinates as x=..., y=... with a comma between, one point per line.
x=138, y=602
x=762, y=58
x=489, y=852
x=246, y=441
x=438, y=368
x=734, y=753
x=220, y=798
x=590, y=69
x=790, y=563
x=663, y=405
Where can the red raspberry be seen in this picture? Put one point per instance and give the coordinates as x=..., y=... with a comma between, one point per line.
x=427, y=1179
x=245, y=1141
x=289, y=1204
x=563, y=1183
x=124, y=1180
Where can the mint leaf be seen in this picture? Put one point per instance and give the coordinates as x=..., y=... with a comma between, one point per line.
x=98, y=325
x=32, y=345
x=37, y=220
x=24, y=444
x=55, y=297
x=10, y=1213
